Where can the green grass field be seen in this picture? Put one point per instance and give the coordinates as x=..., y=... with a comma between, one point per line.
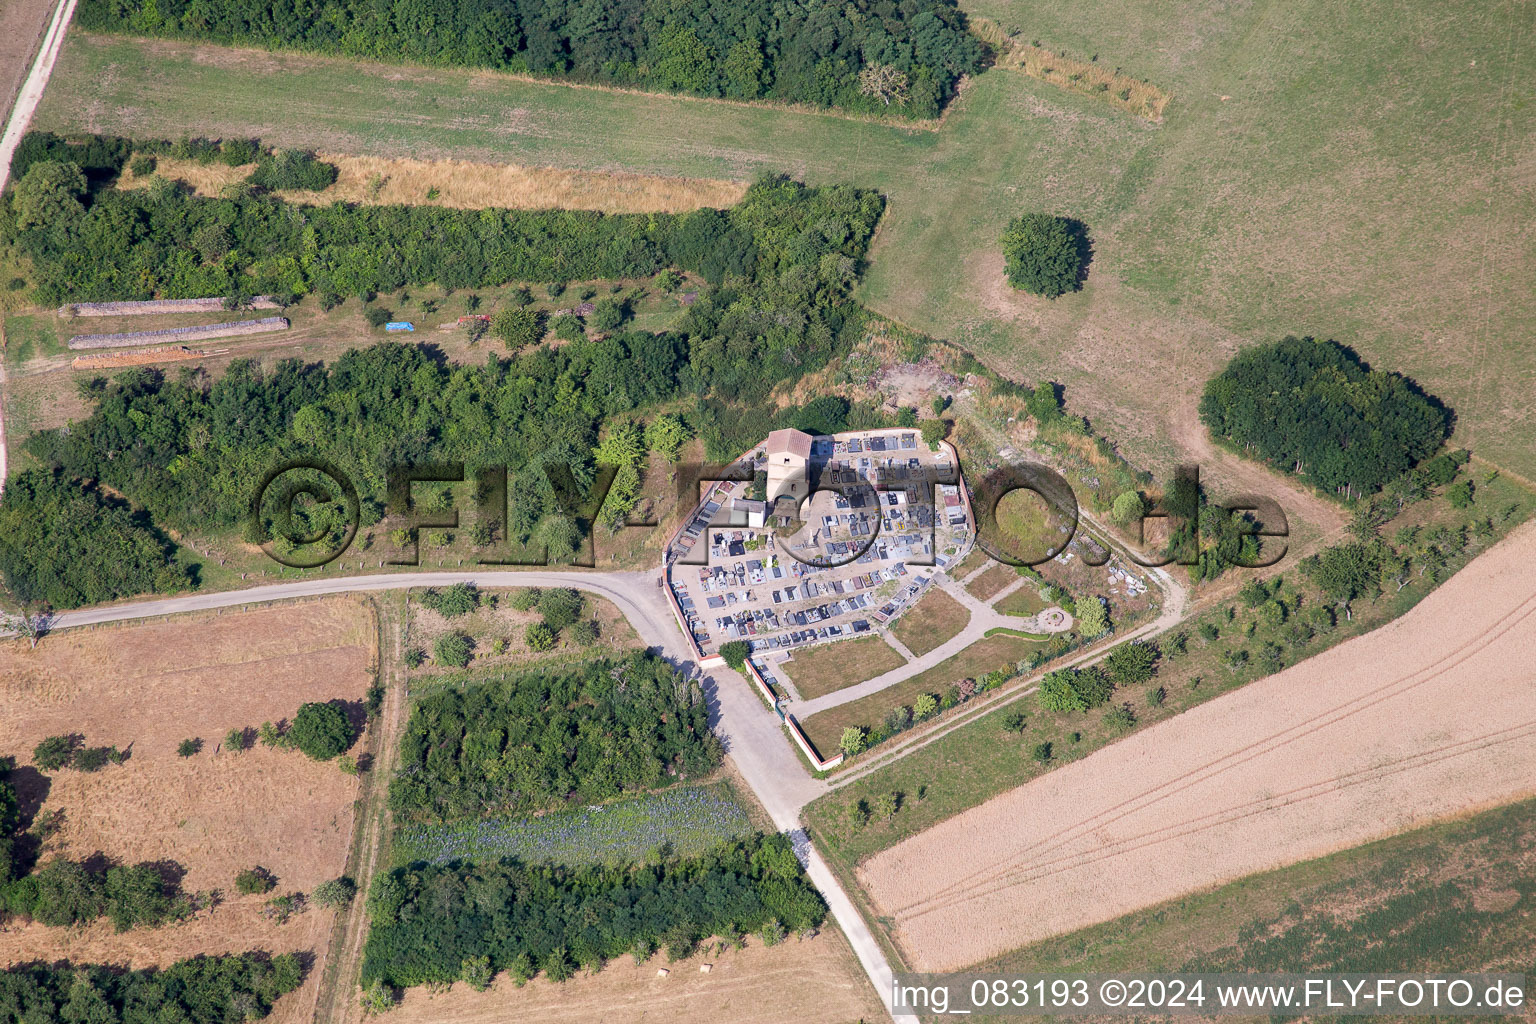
x=1451, y=897
x=1344, y=170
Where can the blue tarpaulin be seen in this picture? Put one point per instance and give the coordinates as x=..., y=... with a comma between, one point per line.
x=399, y=325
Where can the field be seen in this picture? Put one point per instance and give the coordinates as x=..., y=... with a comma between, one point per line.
x=1304, y=179
x=816, y=980
x=690, y=820
x=824, y=729
x=1024, y=601
x=934, y=620
x=504, y=624
x=144, y=688
x=820, y=670
x=1370, y=738
x=1454, y=897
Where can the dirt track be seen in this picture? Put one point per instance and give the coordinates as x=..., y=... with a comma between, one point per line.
x=1430, y=716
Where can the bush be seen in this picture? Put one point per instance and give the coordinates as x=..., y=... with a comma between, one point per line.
x=539, y=637
x=253, y=881
x=933, y=431
x=293, y=169
x=459, y=599
x=143, y=166
x=55, y=752
x=237, y=739
x=453, y=650
x=1042, y=254
x=609, y=314
x=584, y=633
x=518, y=327
x=735, y=653
x=1120, y=719
x=335, y=894
x=188, y=747
x=94, y=759
x=378, y=316
x=1041, y=752
x=1460, y=494
x=321, y=731
x=560, y=606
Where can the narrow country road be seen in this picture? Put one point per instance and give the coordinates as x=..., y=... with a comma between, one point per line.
x=751, y=734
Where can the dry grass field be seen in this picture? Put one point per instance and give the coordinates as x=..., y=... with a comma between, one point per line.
x=487, y=625
x=935, y=620
x=144, y=688
x=1430, y=716
x=817, y=981
x=472, y=186
x=827, y=667
x=992, y=582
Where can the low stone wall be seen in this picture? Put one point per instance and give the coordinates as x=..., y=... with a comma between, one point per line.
x=211, y=305
x=204, y=332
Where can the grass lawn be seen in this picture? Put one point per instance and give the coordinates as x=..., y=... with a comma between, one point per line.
x=970, y=563
x=690, y=820
x=992, y=581
x=1308, y=177
x=1024, y=601
x=935, y=620
x=827, y=667
x=824, y=729
x=1451, y=897
x=32, y=336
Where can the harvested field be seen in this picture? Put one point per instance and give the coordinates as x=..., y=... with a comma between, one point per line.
x=144, y=688
x=935, y=620
x=473, y=186
x=827, y=667
x=202, y=332
x=1430, y=716
x=817, y=981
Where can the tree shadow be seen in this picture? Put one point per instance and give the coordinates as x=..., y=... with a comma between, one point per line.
x=1083, y=243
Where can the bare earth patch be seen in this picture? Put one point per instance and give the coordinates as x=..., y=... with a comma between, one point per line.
x=816, y=981
x=1430, y=716
x=144, y=688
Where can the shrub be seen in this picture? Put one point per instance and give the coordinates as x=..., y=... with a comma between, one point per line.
x=256, y=880
x=335, y=894
x=852, y=741
x=933, y=431
x=560, y=606
x=55, y=752
x=453, y=650
x=735, y=653
x=293, y=169
x=188, y=747
x=415, y=657
x=525, y=599
x=477, y=973
x=378, y=316
x=539, y=637
x=321, y=731
x=1042, y=254
x=584, y=633
x=518, y=327
x=1041, y=752
x=1121, y=718
x=237, y=739
x=459, y=599
x=1460, y=494
x=143, y=166
x=609, y=314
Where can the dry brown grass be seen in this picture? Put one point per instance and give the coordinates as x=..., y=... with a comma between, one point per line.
x=824, y=668
x=146, y=687
x=1130, y=94
x=472, y=186
x=991, y=582
x=817, y=981
x=935, y=620
x=1430, y=716
x=487, y=625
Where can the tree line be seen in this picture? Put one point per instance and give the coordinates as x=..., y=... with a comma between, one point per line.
x=1313, y=408
x=438, y=924
x=867, y=55
x=538, y=740
x=201, y=990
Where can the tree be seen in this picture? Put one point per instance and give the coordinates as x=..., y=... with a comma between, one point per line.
x=477, y=973
x=1092, y=618
x=55, y=752
x=237, y=739
x=453, y=650
x=559, y=535
x=735, y=653
x=584, y=633
x=933, y=431
x=666, y=436
x=253, y=881
x=1130, y=663
x=1345, y=571
x=1128, y=508
x=321, y=731
x=884, y=83
x=1057, y=692
x=48, y=195
x=1460, y=494
x=925, y=706
x=378, y=998
x=609, y=314
x=335, y=894
x=1041, y=752
x=1041, y=255
x=887, y=804
x=188, y=747
x=459, y=599
x=852, y=741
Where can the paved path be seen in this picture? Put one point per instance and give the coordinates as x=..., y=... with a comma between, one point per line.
x=750, y=733
x=15, y=128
